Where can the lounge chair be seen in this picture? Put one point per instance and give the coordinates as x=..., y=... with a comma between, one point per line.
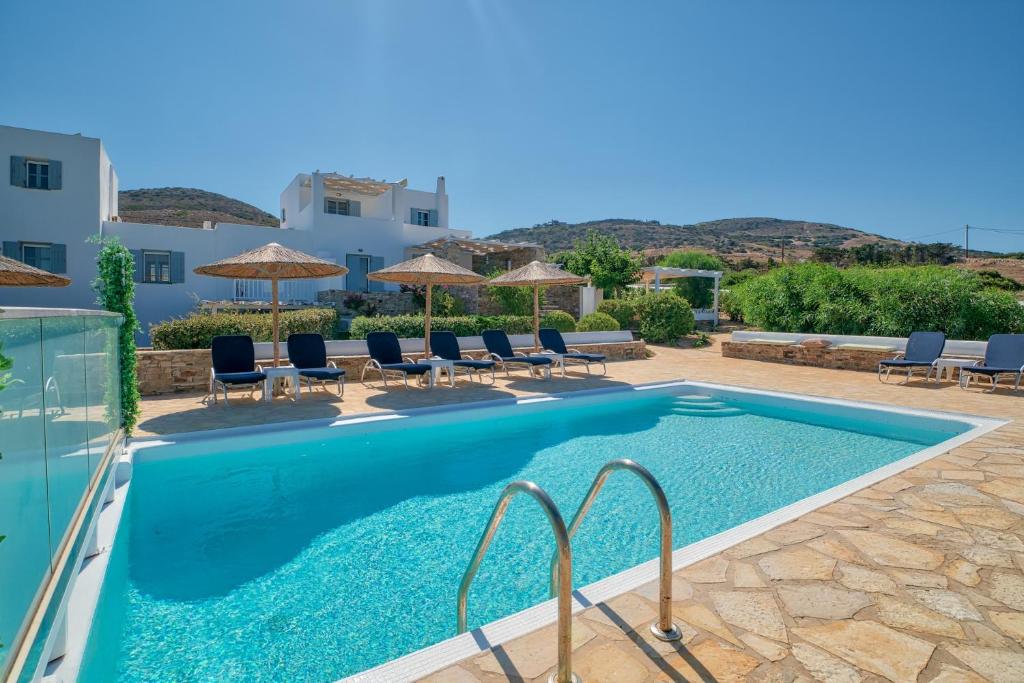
x=1004, y=355
x=386, y=356
x=923, y=349
x=234, y=364
x=499, y=349
x=308, y=353
x=446, y=345
x=551, y=340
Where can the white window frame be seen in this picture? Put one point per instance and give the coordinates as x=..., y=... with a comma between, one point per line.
x=38, y=245
x=145, y=270
x=339, y=204
x=40, y=165
x=423, y=218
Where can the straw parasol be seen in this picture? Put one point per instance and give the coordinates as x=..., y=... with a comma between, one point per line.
x=537, y=274
x=17, y=274
x=427, y=270
x=273, y=262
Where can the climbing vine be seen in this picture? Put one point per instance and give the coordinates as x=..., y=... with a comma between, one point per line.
x=115, y=289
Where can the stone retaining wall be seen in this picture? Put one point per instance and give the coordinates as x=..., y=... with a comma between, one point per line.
x=865, y=360
x=165, y=372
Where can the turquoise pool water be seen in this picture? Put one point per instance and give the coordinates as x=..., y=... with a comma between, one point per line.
x=314, y=554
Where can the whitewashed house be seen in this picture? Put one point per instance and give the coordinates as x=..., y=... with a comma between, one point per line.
x=62, y=190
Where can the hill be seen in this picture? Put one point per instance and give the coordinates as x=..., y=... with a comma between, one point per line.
x=187, y=206
x=734, y=237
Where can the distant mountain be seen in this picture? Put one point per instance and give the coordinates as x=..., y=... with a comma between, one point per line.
x=188, y=207
x=735, y=237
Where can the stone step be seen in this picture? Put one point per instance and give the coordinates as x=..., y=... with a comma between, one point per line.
x=718, y=412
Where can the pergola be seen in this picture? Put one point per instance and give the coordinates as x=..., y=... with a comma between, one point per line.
x=656, y=274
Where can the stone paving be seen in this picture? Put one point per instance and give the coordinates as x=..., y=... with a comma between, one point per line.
x=918, y=578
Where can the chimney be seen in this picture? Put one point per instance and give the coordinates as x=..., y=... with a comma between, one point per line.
x=440, y=185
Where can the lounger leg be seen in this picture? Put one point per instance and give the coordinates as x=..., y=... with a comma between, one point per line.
x=1016, y=385
x=226, y=402
x=995, y=381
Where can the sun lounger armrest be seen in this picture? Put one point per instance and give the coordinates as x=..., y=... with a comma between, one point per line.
x=332, y=364
x=495, y=357
x=573, y=349
x=408, y=359
x=519, y=353
x=466, y=356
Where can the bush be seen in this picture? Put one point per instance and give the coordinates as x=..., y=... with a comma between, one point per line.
x=891, y=302
x=663, y=316
x=198, y=330
x=597, y=322
x=560, y=320
x=623, y=310
x=411, y=326
x=699, y=291
x=115, y=291
x=512, y=300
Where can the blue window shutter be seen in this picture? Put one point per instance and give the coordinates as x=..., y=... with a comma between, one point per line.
x=177, y=267
x=58, y=258
x=19, y=174
x=376, y=263
x=412, y=216
x=137, y=255
x=12, y=250
x=432, y=220
x=55, y=177
x=355, y=208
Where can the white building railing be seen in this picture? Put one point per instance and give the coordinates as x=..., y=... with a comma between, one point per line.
x=288, y=291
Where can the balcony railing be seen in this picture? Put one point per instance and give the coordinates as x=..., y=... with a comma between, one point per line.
x=288, y=291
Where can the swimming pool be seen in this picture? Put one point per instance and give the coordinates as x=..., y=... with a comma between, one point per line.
x=313, y=554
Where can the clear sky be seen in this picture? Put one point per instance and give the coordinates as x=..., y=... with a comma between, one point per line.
x=903, y=118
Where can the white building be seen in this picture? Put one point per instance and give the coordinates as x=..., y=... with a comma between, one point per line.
x=63, y=190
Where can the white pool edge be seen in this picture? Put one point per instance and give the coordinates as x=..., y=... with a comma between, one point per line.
x=88, y=583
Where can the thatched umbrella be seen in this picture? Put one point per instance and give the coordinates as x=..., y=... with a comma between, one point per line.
x=427, y=270
x=537, y=274
x=273, y=262
x=17, y=274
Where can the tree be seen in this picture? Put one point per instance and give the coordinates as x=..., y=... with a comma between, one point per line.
x=699, y=291
x=512, y=300
x=115, y=291
x=599, y=256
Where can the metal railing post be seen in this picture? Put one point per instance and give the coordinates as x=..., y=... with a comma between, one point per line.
x=663, y=628
x=562, y=583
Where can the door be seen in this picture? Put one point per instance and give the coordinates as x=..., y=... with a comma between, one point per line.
x=358, y=266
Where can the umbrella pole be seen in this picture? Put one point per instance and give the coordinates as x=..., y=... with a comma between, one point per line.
x=274, y=320
x=426, y=324
x=536, y=318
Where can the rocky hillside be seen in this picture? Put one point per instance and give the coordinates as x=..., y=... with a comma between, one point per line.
x=189, y=207
x=736, y=237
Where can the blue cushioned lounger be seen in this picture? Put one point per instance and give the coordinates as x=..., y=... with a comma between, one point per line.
x=923, y=349
x=499, y=348
x=308, y=353
x=386, y=356
x=446, y=345
x=551, y=340
x=234, y=363
x=1004, y=355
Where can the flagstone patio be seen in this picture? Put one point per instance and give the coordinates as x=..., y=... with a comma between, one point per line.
x=918, y=578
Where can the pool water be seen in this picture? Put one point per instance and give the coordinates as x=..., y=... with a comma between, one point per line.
x=316, y=554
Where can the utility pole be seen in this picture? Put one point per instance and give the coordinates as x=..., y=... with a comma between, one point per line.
x=783, y=242
x=967, y=247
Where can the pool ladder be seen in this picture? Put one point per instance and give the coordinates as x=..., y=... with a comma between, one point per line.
x=561, y=560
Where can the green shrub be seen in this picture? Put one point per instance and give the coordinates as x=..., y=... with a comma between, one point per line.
x=623, y=310
x=699, y=291
x=597, y=322
x=197, y=331
x=411, y=326
x=663, y=316
x=892, y=302
x=560, y=320
x=115, y=291
x=512, y=300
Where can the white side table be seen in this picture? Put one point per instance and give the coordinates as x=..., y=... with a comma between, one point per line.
x=436, y=364
x=948, y=365
x=273, y=374
x=557, y=360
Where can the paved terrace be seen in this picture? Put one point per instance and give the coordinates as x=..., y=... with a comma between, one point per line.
x=918, y=578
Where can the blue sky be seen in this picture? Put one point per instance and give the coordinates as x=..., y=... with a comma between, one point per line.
x=903, y=118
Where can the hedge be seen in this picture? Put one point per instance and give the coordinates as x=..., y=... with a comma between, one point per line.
x=623, y=310
x=198, y=330
x=411, y=326
x=663, y=317
x=889, y=302
x=597, y=322
x=560, y=320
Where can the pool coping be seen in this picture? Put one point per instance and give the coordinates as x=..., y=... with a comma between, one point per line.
x=445, y=653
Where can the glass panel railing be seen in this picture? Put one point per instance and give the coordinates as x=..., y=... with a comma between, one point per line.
x=59, y=411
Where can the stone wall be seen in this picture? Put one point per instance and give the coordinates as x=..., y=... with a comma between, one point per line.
x=368, y=303
x=865, y=360
x=165, y=372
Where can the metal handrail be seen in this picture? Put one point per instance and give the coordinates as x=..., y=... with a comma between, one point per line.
x=663, y=629
x=563, y=561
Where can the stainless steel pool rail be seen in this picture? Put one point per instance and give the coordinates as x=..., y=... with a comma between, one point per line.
x=562, y=566
x=663, y=628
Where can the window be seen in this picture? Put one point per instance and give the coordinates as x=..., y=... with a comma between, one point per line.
x=38, y=174
x=156, y=266
x=282, y=215
x=337, y=206
x=421, y=217
x=37, y=255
